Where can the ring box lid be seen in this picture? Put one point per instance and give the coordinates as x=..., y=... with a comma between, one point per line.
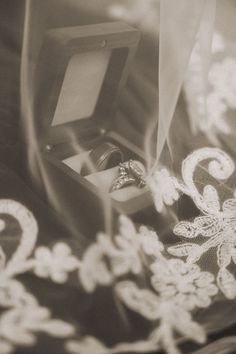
x=80, y=74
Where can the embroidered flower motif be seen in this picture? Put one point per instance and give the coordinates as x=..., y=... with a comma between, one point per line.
x=108, y=259
x=150, y=242
x=19, y=324
x=163, y=188
x=216, y=121
x=56, y=263
x=22, y=317
x=143, y=301
x=208, y=106
x=184, y=283
x=223, y=78
x=171, y=316
x=220, y=229
x=94, y=270
x=217, y=224
x=105, y=260
x=179, y=288
x=176, y=287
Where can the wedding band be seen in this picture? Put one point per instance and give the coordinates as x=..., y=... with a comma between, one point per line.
x=104, y=156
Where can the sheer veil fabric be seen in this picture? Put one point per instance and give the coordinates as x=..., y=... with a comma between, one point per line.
x=180, y=26
x=162, y=281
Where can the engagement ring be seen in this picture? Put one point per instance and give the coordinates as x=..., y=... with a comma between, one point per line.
x=130, y=173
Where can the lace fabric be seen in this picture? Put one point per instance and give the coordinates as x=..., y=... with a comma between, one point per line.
x=163, y=284
x=147, y=286
x=221, y=93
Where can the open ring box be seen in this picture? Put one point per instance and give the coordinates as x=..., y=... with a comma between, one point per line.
x=79, y=77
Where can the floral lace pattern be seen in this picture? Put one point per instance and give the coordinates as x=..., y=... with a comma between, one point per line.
x=172, y=293
x=147, y=277
x=217, y=222
x=22, y=316
x=163, y=187
x=55, y=264
x=184, y=283
x=208, y=113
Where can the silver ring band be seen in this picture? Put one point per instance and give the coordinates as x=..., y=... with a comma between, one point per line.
x=104, y=156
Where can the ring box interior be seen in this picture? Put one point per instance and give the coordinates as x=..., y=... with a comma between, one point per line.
x=80, y=74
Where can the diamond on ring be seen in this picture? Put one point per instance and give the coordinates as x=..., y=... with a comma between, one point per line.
x=130, y=173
